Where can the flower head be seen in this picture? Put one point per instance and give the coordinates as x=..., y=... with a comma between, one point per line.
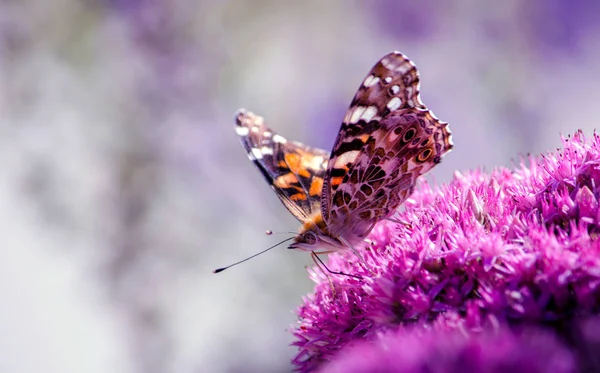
x=515, y=248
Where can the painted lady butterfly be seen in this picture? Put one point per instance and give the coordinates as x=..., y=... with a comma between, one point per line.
x=387, y=140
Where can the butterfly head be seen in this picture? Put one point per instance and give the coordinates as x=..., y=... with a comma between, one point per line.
x=311, y=241
x=313, y=236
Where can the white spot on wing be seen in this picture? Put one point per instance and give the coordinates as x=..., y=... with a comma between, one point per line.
x=388, y=79
x=347, y=157
x=242, y=131
x=347, y=116
x=411, y=93
x=254, y=129
x=266, y=150
x=256, y=153
x=395, y=89
x=403, y=68
x=356, y=114
x=369, y=113
x=371, y=80
x=316, y=162
x=267, y=134
x=279, y=139
x=394, y=103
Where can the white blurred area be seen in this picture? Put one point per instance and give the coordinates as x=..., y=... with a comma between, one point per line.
x=123, y=184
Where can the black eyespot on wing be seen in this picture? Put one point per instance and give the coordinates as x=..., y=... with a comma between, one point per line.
x=408, y=135
x=424, y=155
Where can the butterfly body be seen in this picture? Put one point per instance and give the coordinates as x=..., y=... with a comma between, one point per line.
x=388, y=139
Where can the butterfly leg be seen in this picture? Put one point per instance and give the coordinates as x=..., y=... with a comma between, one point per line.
x=357, y=254
x=321, y=264
x=393, y=220
x=316, y=260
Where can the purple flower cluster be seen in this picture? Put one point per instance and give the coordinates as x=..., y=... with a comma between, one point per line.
x=482, y=255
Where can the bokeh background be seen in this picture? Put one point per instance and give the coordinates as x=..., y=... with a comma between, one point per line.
x=123, y=184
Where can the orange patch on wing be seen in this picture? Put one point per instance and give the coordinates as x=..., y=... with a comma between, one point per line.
x=298, y=197
x=336, y=180
x=286, y=181
x=316, y=186
x=364, y=138
x=294, y=163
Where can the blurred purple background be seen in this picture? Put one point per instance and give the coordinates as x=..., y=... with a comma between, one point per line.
x=123, y=183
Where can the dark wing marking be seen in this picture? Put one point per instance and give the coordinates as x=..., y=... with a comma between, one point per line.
x=295, y=171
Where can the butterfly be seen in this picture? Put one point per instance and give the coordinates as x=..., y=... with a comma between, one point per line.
x=388, y=139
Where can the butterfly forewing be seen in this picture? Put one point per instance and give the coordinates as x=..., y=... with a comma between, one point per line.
x=295, y=171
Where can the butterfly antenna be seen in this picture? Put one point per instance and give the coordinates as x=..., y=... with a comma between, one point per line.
x=269, y=232
x=252, y=256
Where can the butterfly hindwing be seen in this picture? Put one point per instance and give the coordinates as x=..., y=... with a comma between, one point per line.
x=388, y=138
x=295, y=171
